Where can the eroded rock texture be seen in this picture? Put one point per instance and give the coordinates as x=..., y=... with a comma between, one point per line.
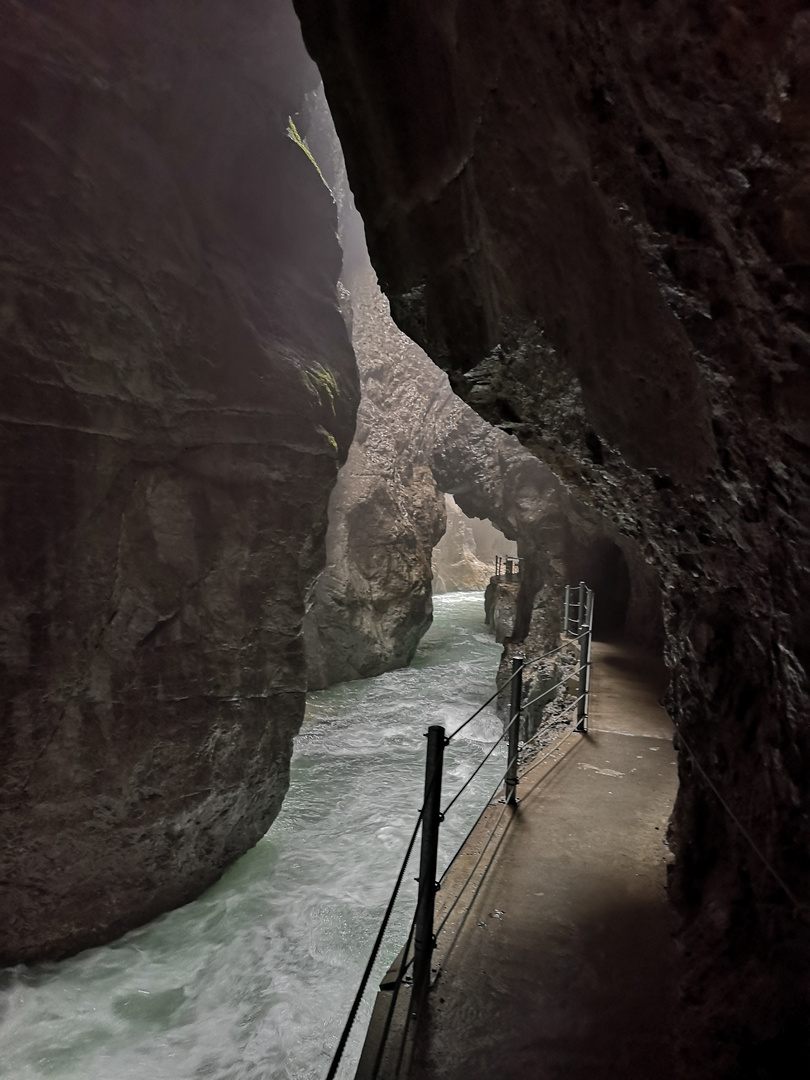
x=465, y=556
x=178, y=390
x=416, y=439
x=597, y=218
x=372, y=603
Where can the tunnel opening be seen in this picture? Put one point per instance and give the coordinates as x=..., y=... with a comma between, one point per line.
x=603, y=566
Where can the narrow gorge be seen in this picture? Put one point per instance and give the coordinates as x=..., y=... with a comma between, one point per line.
x=596, y=220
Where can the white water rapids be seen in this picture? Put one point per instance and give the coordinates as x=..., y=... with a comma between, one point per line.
x=254, y=980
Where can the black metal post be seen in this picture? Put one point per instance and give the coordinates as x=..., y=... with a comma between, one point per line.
x=584, y=678
x=567, y=605
x=425, y=904
x=590, y=646
x=515, y=703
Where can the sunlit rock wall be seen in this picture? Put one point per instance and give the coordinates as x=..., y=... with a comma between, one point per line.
x=178, y=390
x=597, y=217
x=372, y=603
x=465, y=556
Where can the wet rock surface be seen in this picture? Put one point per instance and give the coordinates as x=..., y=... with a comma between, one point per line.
x=596, y=218
x=372, y=603
x=416, y=439
x=178, y=391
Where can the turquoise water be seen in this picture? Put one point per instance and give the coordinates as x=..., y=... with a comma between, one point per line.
x=254, y=980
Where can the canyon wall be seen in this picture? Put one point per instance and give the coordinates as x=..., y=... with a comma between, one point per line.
x=178, y=391
x=596, y=217
x=372, y=603
x=416, y=439
x=465, y=556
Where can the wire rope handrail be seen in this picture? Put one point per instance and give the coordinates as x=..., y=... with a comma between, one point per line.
x=480, y=765
x=478, y=712
x=483, y=848
x=402, y=971
x=344, y=1038
x=421, y=933
x=799, y=905
x=507, y=682
x=547, y=691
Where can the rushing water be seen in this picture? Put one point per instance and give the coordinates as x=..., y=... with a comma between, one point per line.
x=254, y=980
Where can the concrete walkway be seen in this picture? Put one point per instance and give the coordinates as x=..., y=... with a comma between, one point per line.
x=563, y=967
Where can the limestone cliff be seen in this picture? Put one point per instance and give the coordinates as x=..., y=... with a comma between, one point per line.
x=415, y=439
x=597, y=218
x=372, y=603
x=465, y=556
x=178, y=390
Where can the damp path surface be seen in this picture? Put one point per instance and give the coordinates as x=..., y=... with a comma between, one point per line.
x=254, y=980
x=563, y=967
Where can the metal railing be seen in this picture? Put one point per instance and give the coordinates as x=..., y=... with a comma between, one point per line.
x=507, y=568
x=578, y=609
x=415, y=959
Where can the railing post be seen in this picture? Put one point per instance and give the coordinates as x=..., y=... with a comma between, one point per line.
x=590, y=644
x=581, y=608
x=516, y=699
x=584, y=679
x=426, y=901
x=567, y=605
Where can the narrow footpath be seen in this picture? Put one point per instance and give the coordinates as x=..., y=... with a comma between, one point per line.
x=563, y=967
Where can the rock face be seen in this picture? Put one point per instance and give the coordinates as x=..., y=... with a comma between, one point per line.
x=416, y=439
x=178, y=390
x=597, y=218
x=372, y=603
x=465, y=556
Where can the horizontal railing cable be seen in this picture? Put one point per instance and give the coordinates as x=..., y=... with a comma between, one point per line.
x=475, y=824
x=484, y=847
x=543, y=727
x=553, y=652
x=539, y=760
x=469, y=877
x=481, y=709
x=561, y=713
x=550, y=689
x=404, y=1040
x=373, y=957
x=480, y=765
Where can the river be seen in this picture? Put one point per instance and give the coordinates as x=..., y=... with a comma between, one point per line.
x=253, y=981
